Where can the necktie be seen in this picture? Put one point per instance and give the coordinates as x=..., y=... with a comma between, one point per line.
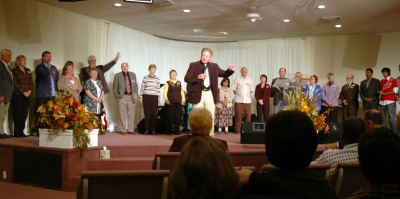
x=11, y=75
x=368, y=82
x=127, y=84
x=207, y=79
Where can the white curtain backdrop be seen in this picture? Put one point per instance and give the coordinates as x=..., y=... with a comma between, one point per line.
x=140, y=50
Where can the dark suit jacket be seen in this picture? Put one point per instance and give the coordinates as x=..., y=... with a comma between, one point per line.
x=84, y=75
x=119, y=86
x=43, y=84
x=350, y=94
x=371, y=91
x=194, y=85
x=180, y=141
x=6, y=83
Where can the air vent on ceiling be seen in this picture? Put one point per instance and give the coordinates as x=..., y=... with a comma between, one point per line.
x=331, y=18
x=163, y=2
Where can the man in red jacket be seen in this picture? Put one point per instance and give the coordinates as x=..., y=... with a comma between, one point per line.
x=202, y=82
x=387, y=97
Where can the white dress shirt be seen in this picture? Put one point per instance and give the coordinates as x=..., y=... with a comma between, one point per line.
x=243, y=86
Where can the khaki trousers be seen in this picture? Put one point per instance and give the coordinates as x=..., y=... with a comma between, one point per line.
x=3, y=114
x=207, y=102
x=126, y=114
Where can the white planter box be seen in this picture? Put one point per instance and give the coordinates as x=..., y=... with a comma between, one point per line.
x=65, y=140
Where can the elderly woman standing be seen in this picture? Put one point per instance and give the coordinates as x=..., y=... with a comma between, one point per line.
x=23, y=87
x=223, y=113
x=68, y=81
x=150, y=98
x=174, y=100
x=94, y=93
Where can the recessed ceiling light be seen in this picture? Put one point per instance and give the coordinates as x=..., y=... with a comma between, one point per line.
x=286, y=20
x=225, y=33
x=196, y=30
x=117, y=4
x=321, y=6
x=186, y=10
x=338, y=26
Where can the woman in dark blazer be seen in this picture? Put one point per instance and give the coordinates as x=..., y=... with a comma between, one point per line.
x=262, y=94
x=23, y=84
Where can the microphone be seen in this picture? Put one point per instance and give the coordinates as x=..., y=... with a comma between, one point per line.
x=205, y=67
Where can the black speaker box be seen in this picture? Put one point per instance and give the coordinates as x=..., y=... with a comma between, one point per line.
x=333, y=135
x=252, y=133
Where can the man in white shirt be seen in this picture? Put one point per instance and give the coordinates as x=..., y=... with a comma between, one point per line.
x=242, y=87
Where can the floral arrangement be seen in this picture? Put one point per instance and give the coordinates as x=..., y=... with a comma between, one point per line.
x=298, y=100
x=65, y=113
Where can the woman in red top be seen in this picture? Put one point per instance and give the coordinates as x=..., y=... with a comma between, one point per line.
x=262, y=94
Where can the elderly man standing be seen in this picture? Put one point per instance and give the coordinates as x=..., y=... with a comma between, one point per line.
x=279, y=84
x=126, y=92
x=242, y=87
x=330, y=99
x=349, y=97
x=202, y=82
x=6, y=89
x=84, y=74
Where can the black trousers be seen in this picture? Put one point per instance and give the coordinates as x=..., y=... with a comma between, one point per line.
x=174, y=112
x=150, y=105
x=20, y=113
x=333, y=114
x=263, y=112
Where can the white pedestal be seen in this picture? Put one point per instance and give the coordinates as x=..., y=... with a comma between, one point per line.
x=65, y=139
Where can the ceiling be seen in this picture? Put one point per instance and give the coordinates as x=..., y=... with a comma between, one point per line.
x=209, y=20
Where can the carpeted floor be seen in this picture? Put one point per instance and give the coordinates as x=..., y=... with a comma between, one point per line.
x=17, y=191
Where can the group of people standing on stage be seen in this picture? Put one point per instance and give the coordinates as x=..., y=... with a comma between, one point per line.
x=202, y=92
x=17, y=87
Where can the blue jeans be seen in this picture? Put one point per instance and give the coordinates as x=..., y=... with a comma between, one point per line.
x=391, y=112
x=279, y=106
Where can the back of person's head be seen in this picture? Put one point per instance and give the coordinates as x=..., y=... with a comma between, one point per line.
x=352, y=129
x=203, y=170
x=379, y=156
x=200, y=121
x=373, y=115
x=291, y=140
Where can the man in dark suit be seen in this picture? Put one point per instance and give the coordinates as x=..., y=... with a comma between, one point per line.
x=369, y=90
x=6, y=89
x=349, y=97
x=200, y=121
x=126, y=92
x=46, y=81
x=84, y=74
x=202, y=82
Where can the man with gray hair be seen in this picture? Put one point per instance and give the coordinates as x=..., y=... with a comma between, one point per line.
x=279, y=84
x=349, y=97
x=6, y=88
x=84, y=74
x=242, y=87
x=330, y=98
x=126, y=91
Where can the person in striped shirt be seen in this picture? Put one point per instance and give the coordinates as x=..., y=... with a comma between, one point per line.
x=150, y=98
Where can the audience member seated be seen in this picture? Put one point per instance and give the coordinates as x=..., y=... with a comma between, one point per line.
x=372, y=119
x=200, y=122
x=290, y=144
x=379, y=157
x=203, y=170
x=352, y=129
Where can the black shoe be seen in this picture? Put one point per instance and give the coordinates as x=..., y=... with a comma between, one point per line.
x=5, y=135
x=178, y=133
x=2, y=137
